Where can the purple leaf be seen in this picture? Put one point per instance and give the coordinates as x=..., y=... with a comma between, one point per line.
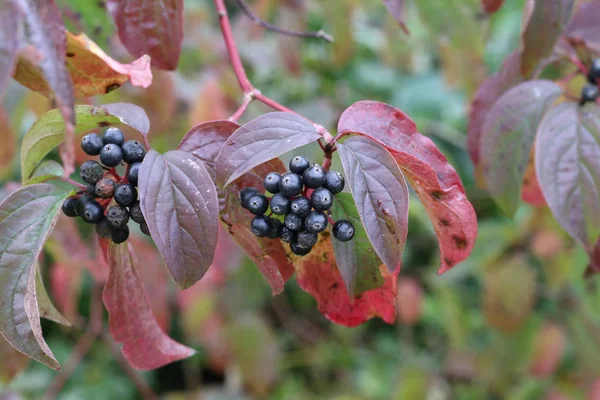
x=545, y=21
x=153, y=27
x=397, y=9
x=261, y=140
x=11, y=32
x=381, y=196
x=27, y=218
x=507, y=138
x=568, y=168
x=131, y=115
x=180, y=204
x=584, y=25
x=131, y=322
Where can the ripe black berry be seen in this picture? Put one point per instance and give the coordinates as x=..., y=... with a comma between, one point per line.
x=594, y=71
x=105, y=188
x=103, y=228
x=91, y=172
x=113, y=136
x=299, y=164
x=120, y=235
x=589, y=93
x=111, y=155
x=117, y=216
x=144, y=228
x=91, y=144
x=125, y=194
x=133, y=152
x=343, y=230
x=92, y=212
x=260, y=226
x=299, y=250
x=135, y=211
x=68, y=207
x=293, y=222
x=133, y=173
x=272, y=182
x=307, y=238
x=245, y=195
x=291, y=184
x=314, y=177
x=81, y=203
x=90, y=190
x=321, y=199
x=301, y=206
x=334, y=182
x=280, y=204
x=258, y=204
x=316, y=221
x=275, y=227
x=287, y=235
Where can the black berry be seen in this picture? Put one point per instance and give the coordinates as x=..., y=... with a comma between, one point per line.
x=111, y=155
x=291, y=184
x=589, y=94
x=334, y=182
x=343, y=230
x=272, y=182
x=133, y=172
x=275, y=227
x=293, y=222
x=316, y=221
x=133, y=152
x=105, y=188
x=125, y=194
x=91, y=172
x=258, y=204
x=321, y=199
x=280, y=204
x=144, y=228
x=299, y=164
x=114, y=136
x=307, y=238
x=91, y=144
x=135, y=211
x=287, y=235
x=117, y=216
x=245, y=195
x=68, y=207
x=92, y=212
x=301, y=206
x=90, y=190
x=120, y=235
x=260, y=226
x=314, y=177
x=594, y=71
x=299, y=250
x=104, y=229
x=81, y=203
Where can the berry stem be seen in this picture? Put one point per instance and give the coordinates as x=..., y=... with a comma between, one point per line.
x=331, y=221
x=327, y=162
x=126, y=174
x=72, y=182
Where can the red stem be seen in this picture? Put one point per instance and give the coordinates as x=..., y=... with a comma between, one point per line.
x=72, y=182
x=327, y=162
x=248, y=98
x=331, y=221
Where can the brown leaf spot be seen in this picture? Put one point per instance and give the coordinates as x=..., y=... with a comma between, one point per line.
x=69, y=54
x=448, y=261
x=444, y=222
x=437, y=194
x=112, y=87
x=333, y=286
x=103, y=123
x=460, y=242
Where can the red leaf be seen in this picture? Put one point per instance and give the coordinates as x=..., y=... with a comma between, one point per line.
x=397, y=9
x=532, y=192
x=268, y=255
x=11, y=31
x=491, y=6
x=153, y=27
x=317, y=274
x=131, y=322
x=65, y=283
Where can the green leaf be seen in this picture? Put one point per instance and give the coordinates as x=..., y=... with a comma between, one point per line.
x=46, y=171
x=27, y=217
x=45, y=305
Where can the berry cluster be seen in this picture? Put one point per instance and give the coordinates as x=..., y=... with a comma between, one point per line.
x=94, y=204
x=301, y=197
x=590, y=92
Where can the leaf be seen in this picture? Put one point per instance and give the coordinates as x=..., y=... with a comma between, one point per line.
x=584, y=25
x=532, y=192
x=261, y=140
x=49, y=130
x=130, y=319
x=13, y=362
x=93, y=72
x=11, y=32
x=397, y=9
x=8, y=140
x=205, y=141
x=47, y=170
x=318, y=275
x=180, y=204
x=381, y=196
x=491, y=6
x=153, y=27
x=545, y=21
x=45, y=305
x=356, y=259
x=269, y=255
x=568, y=168
x=66, y=282
x=27, y=218
x=507, y=138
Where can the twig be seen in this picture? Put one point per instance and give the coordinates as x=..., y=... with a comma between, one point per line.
x=72, y=182
x=248, y=98
x=261, y=22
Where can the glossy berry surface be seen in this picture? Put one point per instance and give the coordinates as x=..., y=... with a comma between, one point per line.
x=280, y=205
x=113, y=135
x=594, y=71
x=300, y=250
x=314, y=177
x=291, y=184
x=92, y=212
x=105, y=188
x=111, y=155
x=307, y=238
x=133, y=152
x=271, y=182
x=81, y=203
x=589, y=94
x=245, y=195
x=258, y=204
x=334, y=182
x=133, y=173
x=125, y=194
x=91, y=172
x=293, y=222
x=91, y=144
x=321, y=199
x=120, y=235
x=301, y=206
x=316, y=221
x=104, y=229
x=287, y=235
x=68, y=207
x=299, y=164
x=260, y=226
x=135, y=212
x=117, y=216
x=343, y=230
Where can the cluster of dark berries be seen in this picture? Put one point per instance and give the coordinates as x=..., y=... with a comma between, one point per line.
x=590, y=92
x=95, y=204
x=302, y=197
